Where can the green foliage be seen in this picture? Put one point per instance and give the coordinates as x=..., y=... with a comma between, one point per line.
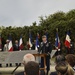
x=62, y=21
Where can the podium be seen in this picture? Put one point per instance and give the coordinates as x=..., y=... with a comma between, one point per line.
x=44, y=56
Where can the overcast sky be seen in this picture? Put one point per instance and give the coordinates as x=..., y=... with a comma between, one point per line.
x=25, y=12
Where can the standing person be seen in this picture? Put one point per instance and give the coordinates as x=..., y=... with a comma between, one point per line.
x=63, y=68
x=27, y=46
x=58, y=58
x=59, y=50
x=45, y=47
x=6, y=46
x=34, y=43
x=67, y=42
x=70, y=58
x=16, y=46
x=71, y=47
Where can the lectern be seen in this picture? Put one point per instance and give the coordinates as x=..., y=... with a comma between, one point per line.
x=44, y=56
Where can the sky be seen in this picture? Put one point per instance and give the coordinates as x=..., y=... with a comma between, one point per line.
x=25, y=12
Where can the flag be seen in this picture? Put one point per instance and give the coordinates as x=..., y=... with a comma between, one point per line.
x=57, y=42
x=37, y=43
x=0, y=43
x=38, y=35
x=46, y=35
x=67, y=40
x=30, y=40
x=10, y=46
x=20, y=43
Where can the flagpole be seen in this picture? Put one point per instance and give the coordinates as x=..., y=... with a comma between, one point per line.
x=0, y=40
x=58, y=42
x=30, y=40
x=57, y=30
x=10, y=43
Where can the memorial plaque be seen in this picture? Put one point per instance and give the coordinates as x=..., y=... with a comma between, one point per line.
x=14, y=57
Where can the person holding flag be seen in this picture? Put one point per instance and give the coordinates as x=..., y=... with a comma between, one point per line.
x=20, y=44
x=27, y=46
x=34, y=45
x=30, y=41
x=38, y=35
x=57, y=44
x=71, y=47
x=67, y=42
x=37, y=43
x=10, y=46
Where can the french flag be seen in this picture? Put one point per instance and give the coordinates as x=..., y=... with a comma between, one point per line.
x=10, y=46
x=30, y=40
x=37, y=43
x=57, y=42
x=67, y=40
x=38, y=35
x=20, y=43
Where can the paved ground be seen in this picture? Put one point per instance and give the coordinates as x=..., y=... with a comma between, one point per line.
x=9, y=70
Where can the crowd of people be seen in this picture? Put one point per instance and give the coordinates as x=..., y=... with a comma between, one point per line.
x=65, y=65
x=55, y=46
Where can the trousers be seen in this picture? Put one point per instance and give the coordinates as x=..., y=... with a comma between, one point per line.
x=47, y=63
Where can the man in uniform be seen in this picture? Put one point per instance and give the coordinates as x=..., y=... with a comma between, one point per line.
x=45, y=47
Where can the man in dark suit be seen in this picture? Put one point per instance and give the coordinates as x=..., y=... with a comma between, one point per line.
x=45, y=47
x=34, y=43
x=16, y=46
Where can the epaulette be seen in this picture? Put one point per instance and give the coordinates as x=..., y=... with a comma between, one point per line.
x=48, y=42
x=41, y=42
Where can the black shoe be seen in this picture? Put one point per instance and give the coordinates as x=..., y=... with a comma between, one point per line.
x=16, y=64
x=0, y=65
x=42, y=72
x=19, y=64
x=10, y=65
x=6, y=65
